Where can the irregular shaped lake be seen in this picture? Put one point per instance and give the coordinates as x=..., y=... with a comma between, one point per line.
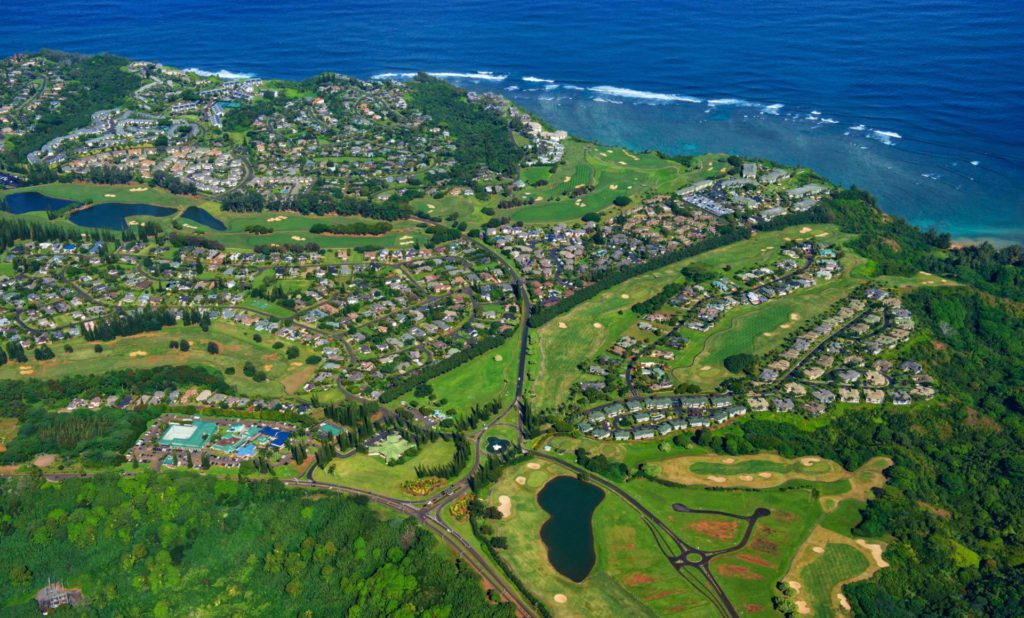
x=30, y=201
x=197, y=214
x=569, y=533
x=111, y=216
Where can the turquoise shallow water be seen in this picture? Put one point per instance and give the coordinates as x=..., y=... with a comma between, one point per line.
x=922, y=101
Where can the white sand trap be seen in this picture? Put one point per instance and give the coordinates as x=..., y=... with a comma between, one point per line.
x=295, y=364
x=191, y=227
x=843, y=602
x=802, y=608
x=498, y=358
x=728, y=460
x=26, y=371
x=430, y=207
x=818, y=550
x=298, y=238
x=768, y=334
x=805, y=230
x=794, y=316
x=625, y=296
x=533, y=465
x=139, y=189
x=138, y=353
x=567, y=178
x=561, y=599
x=765, y=475
x=795, y=585
x=406, y=237
x=563, y=325
x=521, y=480
x=267, y=367
x=505, y=506
x=876, y=552
x=717, y=479
x=810, y=461
x=109, y=195
x=822, y=235
x=598, y=325
x=746, y=477
x=706, y=368
x=784, y=326
x=613, y=187
x=622, y=162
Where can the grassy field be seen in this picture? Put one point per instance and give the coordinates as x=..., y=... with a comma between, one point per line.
x=481, y=380
x=8, y=431
x=630, y=453
x=151, y=350
x=838, y=563
x=84, y=192
x=372, y=473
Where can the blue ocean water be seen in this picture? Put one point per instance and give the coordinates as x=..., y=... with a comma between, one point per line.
x=920, y=101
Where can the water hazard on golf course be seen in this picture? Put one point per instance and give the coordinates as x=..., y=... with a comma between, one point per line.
x=569, y=532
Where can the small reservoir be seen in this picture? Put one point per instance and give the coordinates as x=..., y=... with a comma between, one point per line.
x=202, y=217
x=30, y=201
x=569, y=533
x=112, y=216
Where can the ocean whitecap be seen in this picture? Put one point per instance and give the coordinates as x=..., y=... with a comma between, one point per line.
x=537, y=80
x=643, y=95
x=223, y=74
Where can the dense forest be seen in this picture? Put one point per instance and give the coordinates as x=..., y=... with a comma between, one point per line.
x=954, y=500
x=93, y=83
x=98, y=437
x=180, y=544
x=482, y=136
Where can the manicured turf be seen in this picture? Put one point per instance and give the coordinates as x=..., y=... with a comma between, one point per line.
x=373, y=474
x=481, y=380
x=838, y=563
x=844, y=518
x=151, y=350
x=83, y=192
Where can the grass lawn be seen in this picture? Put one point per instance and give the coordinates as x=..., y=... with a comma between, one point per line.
x=838, y=563
x=372, y=473
x=83, y=192
x=844, y=517
x=630, y=453
x=8, y=431
x=487, y=377
x=266, y=306
x=151, y=350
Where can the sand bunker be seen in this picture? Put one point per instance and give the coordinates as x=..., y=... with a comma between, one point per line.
x=802, y=608
x=794, y=316
x=805, y=230
x=598, y=325
x=765, y=475
x=561, y=599
x=567, y=178
x=505, y=506
x=25, y=370
x=706, y=368
x=717, y=479
x=298, y=238
x=109, y=195
x=728, y=460
x=625, y=296
x=822, y=235
x=533, y=465
x=810, y=461
x=295, y=364
x=138, y=353
x=876, y=552
x=267, y=367
x=138, y=189
x=746, y=477
x=563, y=325
x=795, y=585
x=843, y=602
x=497, y=358
x=276, y=219
x=818, y=550
x=521, y=480
x=613, y=187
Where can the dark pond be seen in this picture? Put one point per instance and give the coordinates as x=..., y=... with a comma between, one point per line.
x=569, y=533
x=497, y=445
x=111, y=216
x=30, y=201
x=194, y=213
